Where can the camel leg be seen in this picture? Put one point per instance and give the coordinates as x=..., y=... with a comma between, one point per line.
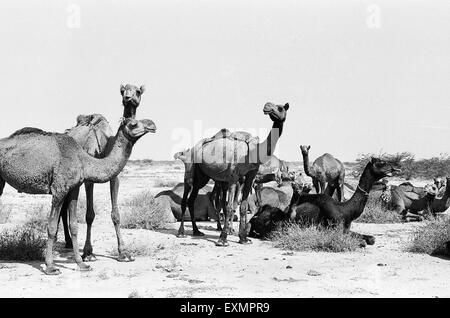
x=365, y=239
x=2, y=186
x=191, y=203
x=51, y=231
x=216, y=198
x=244, y=207
x=316, y=186
x=225, y=207
x=90, y=216
x=73, y=197
x=187, y=189
x=322, y=187
x=115, y=216
x=341, y=192
x=231, y=206
x=65, y=218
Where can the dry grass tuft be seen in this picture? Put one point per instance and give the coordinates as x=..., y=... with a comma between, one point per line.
x=144, y=212
x=296, y=237
x=430, y=238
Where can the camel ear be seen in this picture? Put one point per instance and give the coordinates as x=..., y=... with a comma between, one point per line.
x=309, y=147
x=122, y=89
x=286, y=106
x=142, y=89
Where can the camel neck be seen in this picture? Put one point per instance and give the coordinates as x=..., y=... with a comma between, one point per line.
x=129, y=111
x=306, y=166
x=359, y=199
x=105, y=169
x=267, y=147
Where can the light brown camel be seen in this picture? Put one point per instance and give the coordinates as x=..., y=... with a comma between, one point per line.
x=227, y=160
x=274, y=167
x=325, y=170
x=38, y=162
x=94, y=134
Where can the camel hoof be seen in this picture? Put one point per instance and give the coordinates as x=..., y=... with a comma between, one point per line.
x=222, y=243
x=245, y=241
x=198, y=233
x=84, y=268
x=125, y=258
x=89, y=258
x=52, y=271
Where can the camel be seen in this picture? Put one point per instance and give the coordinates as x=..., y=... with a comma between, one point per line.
x=271, y=214
x=204, y=209
x=274, y=169
x=94, y=134
x=442, y=204
x=409, y=206
x=227, y=160
x=37, y=162
x=325, y=170
x=322, y=209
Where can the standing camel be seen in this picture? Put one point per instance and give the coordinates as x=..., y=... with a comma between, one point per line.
x=226, y=160
x=38, y=162
x=94, y=134
x=325, y=170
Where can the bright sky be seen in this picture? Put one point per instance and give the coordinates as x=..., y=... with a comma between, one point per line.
x=360, y=76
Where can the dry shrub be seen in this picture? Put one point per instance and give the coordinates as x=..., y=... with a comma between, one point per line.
x=431, y=238
x=22, y=243
x=143, y=212
x=376, y=212
x=297, y=237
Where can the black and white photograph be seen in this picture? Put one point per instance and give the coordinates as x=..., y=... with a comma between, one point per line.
x=187, y=150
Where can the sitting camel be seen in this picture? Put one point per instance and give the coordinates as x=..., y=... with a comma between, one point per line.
x=95, y=135
x=271, y=214
x=322, y=209
x=442, y=204
x=38, y=162
x=410, y=207
x=204, y=209
x=325, y=170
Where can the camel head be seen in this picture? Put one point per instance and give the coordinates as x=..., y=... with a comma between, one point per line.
x=305, y=150
x=131, y=98
x=439, y=182
x=431, y=189
x=134, y=129
x=276, y=112
x=183, y=155
x=380, y=168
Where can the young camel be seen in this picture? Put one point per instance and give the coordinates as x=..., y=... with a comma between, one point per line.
x=95, y=135
x=38, y=162
x=326, y=170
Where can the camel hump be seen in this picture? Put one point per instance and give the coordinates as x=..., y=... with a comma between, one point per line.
x=30, y=130
x=90, y=120
x=237, y=135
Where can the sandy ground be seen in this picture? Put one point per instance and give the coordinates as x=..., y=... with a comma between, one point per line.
x=195, y=267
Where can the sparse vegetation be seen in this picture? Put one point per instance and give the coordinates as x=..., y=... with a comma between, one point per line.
x=296, y=237
x=431, y=237
x=375, y=212
x=143, y=212
x=411, y=168
x=22, y=243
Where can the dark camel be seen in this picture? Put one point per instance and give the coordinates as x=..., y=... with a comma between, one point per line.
x=322, y=209
x=227, y=160
x=37, y=162
x=94, y=134
x=442, y=204
x=270, y=215
x=325, y=170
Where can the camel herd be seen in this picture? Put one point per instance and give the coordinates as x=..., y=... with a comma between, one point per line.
x=38, y=162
